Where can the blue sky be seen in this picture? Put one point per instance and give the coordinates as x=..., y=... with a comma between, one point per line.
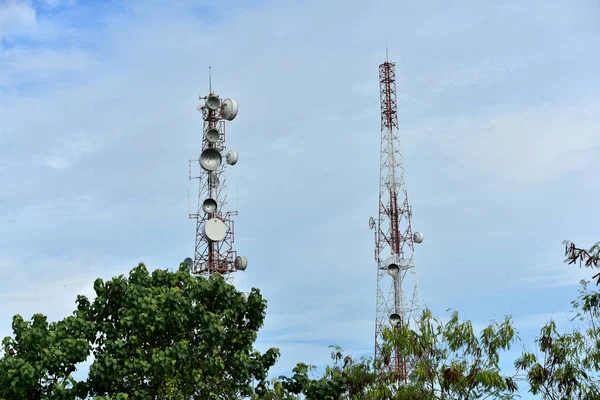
x=500, y=123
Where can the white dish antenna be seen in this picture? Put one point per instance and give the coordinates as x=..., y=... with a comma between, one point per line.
x=245, y=295
x=418, y=237
x=393, y=269
x=213, y=102
x=214, y=230
x=229, y=109
x=210, y=159
x=395, y=319
x=240, y=263
x=209, y=206
x=189, y=262
x=232, y=157
x=213, y=135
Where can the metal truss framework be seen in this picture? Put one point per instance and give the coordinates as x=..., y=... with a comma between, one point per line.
x=213, y=257
x=397, y=289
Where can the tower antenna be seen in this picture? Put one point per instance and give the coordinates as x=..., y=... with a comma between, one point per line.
x=397, y=302
x=213, y=252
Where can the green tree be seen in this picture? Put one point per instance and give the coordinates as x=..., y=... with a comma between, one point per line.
x=446, y=361
x=567, y=365
x=449, y=361
x=153, y=336
x=176, y=335
x=39, y=360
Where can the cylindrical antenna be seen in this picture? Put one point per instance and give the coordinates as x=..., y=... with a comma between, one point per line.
x=209, y=80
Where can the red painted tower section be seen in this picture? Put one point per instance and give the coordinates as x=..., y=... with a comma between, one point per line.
x=397, y=290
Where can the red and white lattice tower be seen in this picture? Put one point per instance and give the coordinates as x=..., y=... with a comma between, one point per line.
x=214, y=253
x=397, y=290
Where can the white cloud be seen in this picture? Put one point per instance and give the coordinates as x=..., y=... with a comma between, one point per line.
x=548, y=271
x=57, y=3
x=16, y=17
x=73, y=150
x=29, y=61
x=537, y=321
x=521, y=147
x=94, y=143
x=50, y=284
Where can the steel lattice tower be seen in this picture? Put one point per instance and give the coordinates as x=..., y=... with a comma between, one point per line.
x=397, y=289
x=213, y=250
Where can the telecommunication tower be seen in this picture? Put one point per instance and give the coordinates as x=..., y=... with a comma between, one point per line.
x=214, y=253
x=397, y=290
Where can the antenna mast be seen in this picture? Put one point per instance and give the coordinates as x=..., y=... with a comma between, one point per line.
x=397, y=289
x=214, y=252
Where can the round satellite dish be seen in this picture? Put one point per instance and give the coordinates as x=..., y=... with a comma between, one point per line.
x=213, y=135
x=393, y=269
x=189, y=262
x=214, y=230
x=240, y=263
x=418, y=237
x=209, y=206
x=210, y=159
x=213, y=102
x=232, y=157
x=395, y=319
x=229, y=109
x=371, y=223
x=245, y=295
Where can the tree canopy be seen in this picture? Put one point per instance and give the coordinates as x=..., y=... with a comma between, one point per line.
x=447, y=361
x=450, y=361
x=153, y=336
x=170, y=335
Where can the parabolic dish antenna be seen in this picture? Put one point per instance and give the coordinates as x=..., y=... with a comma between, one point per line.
x=371, y=223
x=393, y=269
x=418, y=237
x=213, y=102
x=245, y=295
x=209, y=205
x=232, y=157
x=210, y=159
x=213, y=135
x=240, y=263
x=189, y=262
x=394, y=319
x=229, y=109
x=214, y=230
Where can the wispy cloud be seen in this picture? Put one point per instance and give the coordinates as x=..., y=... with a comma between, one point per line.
x=72, y=151
x=52, y=4
x=499, y=131
x=50, y=284
x=16, y=18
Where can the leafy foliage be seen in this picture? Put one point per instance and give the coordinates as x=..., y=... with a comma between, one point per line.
x=171, y=334
x=153, y=336
x=569, y=364
x=39, y=360
x=589, y=258
x=447, y=361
